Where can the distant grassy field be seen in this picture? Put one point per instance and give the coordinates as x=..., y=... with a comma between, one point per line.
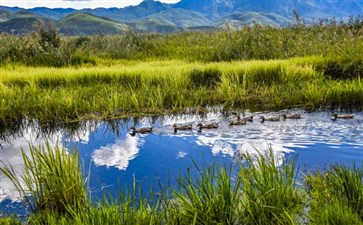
x=121, y=88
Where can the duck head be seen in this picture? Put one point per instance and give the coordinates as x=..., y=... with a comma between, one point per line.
x=262, y=118
x=133, y=131
x=334, y=116
x=283, y=116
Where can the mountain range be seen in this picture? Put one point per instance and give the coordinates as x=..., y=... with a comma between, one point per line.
x=154, y=16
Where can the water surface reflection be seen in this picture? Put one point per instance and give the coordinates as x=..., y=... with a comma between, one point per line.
x=114, y=157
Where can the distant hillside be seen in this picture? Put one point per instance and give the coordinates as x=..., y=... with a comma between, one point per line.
x=153, y=25
x=242, y=19
x=182, y=18
x=21, y=22
x=5, y=15
x=131, y=13
x=306, y=8
x=87, y=24
x=54, y=14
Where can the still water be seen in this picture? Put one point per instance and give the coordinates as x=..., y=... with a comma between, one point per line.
x=115, y=159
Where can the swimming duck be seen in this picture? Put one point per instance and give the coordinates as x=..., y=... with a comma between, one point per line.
x=182, y=127
x=143, y=130
x=237, y=122
x=248, y=118
x=291, y=116
x=342, y=116
x=207, y=126
x=272, y=118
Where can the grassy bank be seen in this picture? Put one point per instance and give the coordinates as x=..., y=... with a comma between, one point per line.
x=121, y=88
x=259, y=192
x=326, y=37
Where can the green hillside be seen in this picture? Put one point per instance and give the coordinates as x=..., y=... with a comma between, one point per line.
x=88, y=24
x=249, y=18
x=182, y=18
x=21, y=22
x=4, y=15
x=154, y=25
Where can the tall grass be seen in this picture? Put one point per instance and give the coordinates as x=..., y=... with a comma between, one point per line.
x=270, y=192
x=211, y=198
x=337, y=196
x=122, y=88
x=51, y=180
x=327, y=38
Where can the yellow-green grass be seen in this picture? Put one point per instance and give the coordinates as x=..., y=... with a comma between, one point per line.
x=123, y=88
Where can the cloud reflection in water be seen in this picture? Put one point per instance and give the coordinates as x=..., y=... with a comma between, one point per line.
x=118, y=154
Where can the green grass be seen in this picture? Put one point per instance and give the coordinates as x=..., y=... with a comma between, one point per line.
x=51, y=180
x=328, y=39
x=123, y=88
x=336, y=196
x=259, y=191
x=270, y=192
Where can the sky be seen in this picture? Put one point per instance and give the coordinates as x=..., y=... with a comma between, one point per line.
x=77, y=4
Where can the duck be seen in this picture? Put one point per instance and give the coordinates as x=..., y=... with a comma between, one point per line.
x=248, y=118
x=207, y=126
x=143, y=130
x=272, y=118
x=291, y=116
x=342, y=116
x=237, y=122
x=182, y=127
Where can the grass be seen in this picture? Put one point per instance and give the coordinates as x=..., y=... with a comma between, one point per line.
x=259, y=191
x=123, y=88
x=65, y=190
x=329, y=38
x=337, y=196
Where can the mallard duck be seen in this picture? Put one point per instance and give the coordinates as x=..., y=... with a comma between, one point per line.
x=143, y=130
x=291, y=116
x=342, y=116
x=248, y=118
x=237, y=122
x=272, y=118
x=207, y=126
x=182, y=127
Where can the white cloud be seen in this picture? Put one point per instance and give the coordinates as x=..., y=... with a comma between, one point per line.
x=77, y=4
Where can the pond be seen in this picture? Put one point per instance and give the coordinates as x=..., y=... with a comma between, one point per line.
x=115, y=159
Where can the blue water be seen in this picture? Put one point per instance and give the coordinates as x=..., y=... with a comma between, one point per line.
x=115, y=159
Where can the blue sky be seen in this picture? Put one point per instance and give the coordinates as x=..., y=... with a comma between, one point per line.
x=77, y=4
